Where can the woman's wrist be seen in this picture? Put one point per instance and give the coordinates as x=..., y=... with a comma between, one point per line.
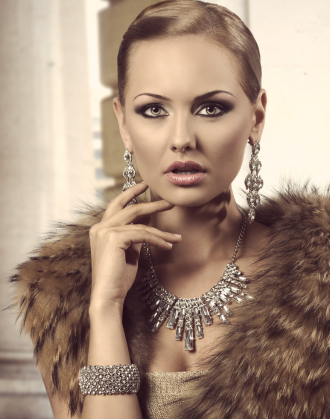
x=106, y=309
x=107, y=343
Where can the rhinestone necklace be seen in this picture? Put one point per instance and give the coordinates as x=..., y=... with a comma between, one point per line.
x=182, y=312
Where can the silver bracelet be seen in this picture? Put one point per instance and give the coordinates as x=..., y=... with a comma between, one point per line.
x=113, y=379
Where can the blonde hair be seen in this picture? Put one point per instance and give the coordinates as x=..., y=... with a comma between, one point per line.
x=173, y=18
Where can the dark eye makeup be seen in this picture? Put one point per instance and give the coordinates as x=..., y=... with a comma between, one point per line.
x=153, y=107
x=212, y=110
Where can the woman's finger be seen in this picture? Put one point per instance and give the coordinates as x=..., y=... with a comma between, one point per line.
x=131, y=213
x=167, y=236
x=128, y=238
x=120, y=201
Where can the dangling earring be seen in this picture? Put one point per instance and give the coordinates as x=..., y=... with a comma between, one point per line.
x=253, y=182
x=129, y=174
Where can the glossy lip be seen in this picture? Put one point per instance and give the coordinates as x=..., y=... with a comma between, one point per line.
x=184, y=180
x=184, y=165
x=188, y=179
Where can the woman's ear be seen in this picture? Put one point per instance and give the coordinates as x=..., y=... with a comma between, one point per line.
x=119, y=111
x=258, y=117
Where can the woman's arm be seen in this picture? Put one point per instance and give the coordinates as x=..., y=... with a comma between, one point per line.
x=108, y=346
x=104, y=349
x=115, y=250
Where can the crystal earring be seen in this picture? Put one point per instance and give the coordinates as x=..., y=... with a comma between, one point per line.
x=129, y=174
x=253, y=182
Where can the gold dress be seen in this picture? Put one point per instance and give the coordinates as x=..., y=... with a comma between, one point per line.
x=165, y=387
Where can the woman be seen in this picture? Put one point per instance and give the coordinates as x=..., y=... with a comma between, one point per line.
x=190, y=98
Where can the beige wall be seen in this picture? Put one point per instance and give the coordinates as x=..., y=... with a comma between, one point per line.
x=294, y=39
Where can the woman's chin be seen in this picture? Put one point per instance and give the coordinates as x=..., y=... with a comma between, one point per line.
x=184, y=197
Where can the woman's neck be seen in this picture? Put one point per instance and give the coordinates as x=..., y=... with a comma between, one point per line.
x=207, y=231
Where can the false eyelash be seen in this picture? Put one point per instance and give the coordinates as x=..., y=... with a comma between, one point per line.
x=222, y=107
x=144, y=108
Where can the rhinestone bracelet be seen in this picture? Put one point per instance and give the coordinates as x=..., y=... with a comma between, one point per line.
x=113, y=379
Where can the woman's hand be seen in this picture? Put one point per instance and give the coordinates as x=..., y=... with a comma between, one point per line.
x=116, y=245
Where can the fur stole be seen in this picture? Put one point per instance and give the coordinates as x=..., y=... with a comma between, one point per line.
x=273, y=364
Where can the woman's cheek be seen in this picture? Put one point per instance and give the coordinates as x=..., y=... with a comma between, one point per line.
x=226, y=143
x=146, y=156
x=225, y=152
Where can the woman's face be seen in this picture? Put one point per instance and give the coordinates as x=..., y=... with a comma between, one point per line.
x=183, y=103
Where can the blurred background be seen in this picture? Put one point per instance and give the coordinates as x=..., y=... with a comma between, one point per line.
x=59, y=138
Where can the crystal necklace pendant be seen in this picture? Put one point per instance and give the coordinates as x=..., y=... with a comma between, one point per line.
x=185, y=313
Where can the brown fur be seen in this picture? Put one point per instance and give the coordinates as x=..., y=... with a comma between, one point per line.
x=274, y=362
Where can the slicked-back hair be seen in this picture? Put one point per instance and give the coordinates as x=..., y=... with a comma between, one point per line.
x=175, y=18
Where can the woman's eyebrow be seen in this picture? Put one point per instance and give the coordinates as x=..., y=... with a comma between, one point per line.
x=154, y=95
x=204, y=96
x=209, y=94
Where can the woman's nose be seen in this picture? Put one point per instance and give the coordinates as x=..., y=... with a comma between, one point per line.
x=182, y=137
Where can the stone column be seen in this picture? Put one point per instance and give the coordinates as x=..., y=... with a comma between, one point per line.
x=46, y=160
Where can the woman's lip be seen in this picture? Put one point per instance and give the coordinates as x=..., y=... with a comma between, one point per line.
x=184, y=165
x=179, y=179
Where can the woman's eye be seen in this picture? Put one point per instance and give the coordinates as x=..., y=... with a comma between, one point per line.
x=154, y=111
x=211, y=110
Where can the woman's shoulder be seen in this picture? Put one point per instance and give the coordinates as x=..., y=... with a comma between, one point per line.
x=285, y=325
x=293, y=220
x=51, y=292
x=296, y=207
x=61, y=258
x=296, y=254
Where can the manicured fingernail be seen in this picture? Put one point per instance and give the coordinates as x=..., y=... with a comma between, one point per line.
x=169, y=244
x=178, y=235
